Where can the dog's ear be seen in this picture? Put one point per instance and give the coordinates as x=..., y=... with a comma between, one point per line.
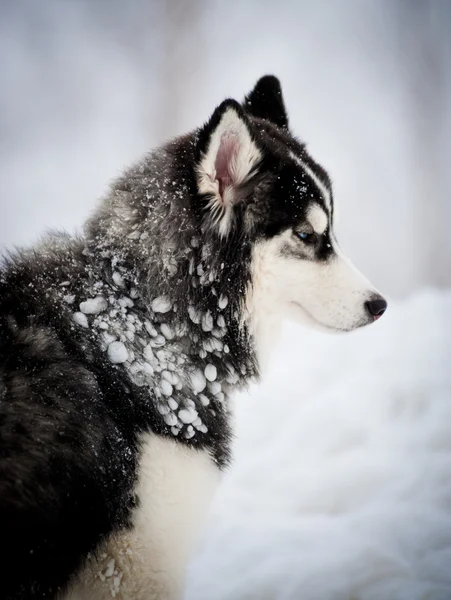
x=228, y=157
x=266, y=101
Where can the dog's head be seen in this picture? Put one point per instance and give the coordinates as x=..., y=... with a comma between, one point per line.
x=258, y=182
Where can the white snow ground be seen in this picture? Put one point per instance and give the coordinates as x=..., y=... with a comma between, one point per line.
x=341, y=486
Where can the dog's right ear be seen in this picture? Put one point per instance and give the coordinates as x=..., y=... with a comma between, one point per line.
x=266, y=101
x=227, y=157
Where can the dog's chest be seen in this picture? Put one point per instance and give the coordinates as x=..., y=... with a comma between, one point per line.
x=174, y=489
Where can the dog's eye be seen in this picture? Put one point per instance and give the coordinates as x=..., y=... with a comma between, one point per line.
x=308, y=238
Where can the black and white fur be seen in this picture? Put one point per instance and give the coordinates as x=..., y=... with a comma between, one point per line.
x=119, y=350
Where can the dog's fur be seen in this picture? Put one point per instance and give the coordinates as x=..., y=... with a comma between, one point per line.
x=119, y=350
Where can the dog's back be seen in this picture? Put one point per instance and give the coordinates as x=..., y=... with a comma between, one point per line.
x=66, y=465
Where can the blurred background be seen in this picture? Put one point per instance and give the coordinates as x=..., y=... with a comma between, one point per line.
x=341, y=489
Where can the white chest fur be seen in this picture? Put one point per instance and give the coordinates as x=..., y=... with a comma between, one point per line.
x=148, y=562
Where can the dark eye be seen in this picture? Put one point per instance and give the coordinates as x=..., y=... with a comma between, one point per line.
x=308, y=238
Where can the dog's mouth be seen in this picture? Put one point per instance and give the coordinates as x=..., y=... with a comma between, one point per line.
x=312, y=321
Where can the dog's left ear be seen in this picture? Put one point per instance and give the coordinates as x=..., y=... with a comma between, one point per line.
x=228, y=157
x=266, y=101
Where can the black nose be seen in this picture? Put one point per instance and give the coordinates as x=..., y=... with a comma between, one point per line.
x=376, y=307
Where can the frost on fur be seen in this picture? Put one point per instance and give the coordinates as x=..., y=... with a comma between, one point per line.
x=229, y=160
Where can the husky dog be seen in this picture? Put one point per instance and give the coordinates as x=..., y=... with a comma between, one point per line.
x=119, y=350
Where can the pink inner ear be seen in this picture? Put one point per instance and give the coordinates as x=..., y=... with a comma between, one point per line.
x=227, y=151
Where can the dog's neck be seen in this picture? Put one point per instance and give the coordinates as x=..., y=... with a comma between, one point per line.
x=197, y=311
x=145, y=231
x=265, y=329
x=261, y=308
